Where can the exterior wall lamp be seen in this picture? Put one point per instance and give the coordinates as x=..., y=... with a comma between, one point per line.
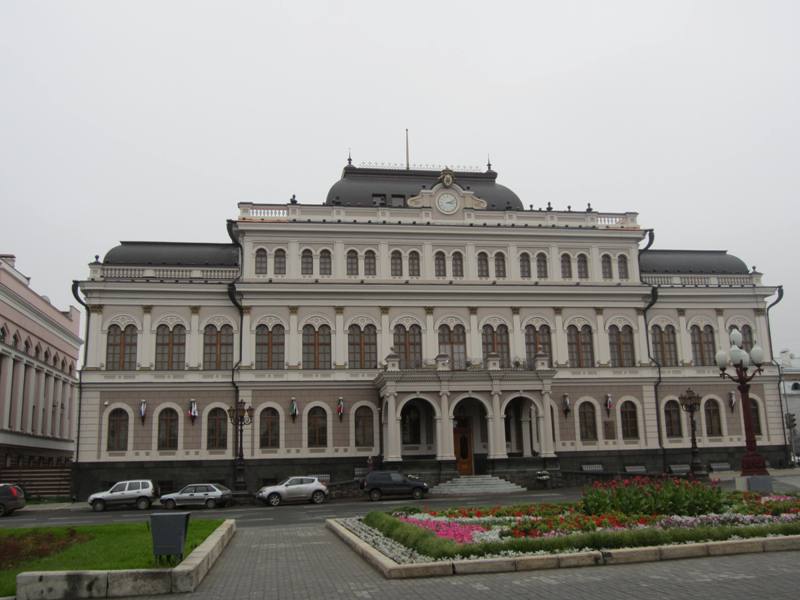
x=565, y=404
x=142, y=409
x=609, y=405
x=340, y=407
x=293, y=409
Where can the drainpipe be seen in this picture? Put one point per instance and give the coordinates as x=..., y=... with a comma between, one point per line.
x=233, y=233
x=657, y=385
x=788, y=447
x=75, y=288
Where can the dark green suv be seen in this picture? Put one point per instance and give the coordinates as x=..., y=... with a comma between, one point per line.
x=391, y=483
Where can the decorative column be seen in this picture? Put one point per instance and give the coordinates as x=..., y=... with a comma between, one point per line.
x=526, y=432
x=548, y=447
x=722, y=334
x=96, y=345
x=387, y=337
x=194, y=358
x=340, y=340
x=38, y=418
x=602, y=351
x=146, y=349
x=6, y=370
x=431, y=340
x=293, y=259
x=247, y=339
x=512, y=263
x=475, y=349
x=427, y=261
x=470, y=263
x=498, y=446
x=32, y=400
x=47, y=405
x=684, y=339
x=29, y=398
x=560, y=350
x=392, y=429
x=66, y=429
x=294, y=341
x=596, y=272
x=445, y=450
x=55, y=406
x=641, y=350
x=383, y=261
x=555, y=264
x=517, y=337
x=19, y=393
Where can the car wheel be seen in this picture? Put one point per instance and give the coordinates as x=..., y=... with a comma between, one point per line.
x=143, y=503
x=375, y=495
x=274, y=499
x=211, y=503
x=2, y=510
x=417, y=493
x=98, y=506
x=169, y=504
x=318, y=497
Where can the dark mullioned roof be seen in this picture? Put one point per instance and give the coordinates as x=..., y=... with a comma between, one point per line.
x=358, y=185
x=708, y=262
x=173, y=254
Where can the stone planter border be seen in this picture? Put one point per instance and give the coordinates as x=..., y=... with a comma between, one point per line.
x=185, y=577
x=392, y=570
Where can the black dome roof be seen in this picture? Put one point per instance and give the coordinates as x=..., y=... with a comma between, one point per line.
x=708, y=262
x=173, y=254
x=358, y=185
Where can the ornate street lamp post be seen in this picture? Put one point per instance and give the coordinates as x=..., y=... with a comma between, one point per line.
x=690, y=402
x=239, y=416
x=752, y=462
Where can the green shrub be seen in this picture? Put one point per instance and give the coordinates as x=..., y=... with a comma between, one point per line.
x=668, y=496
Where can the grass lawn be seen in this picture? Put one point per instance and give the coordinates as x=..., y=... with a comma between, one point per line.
x=95, y=547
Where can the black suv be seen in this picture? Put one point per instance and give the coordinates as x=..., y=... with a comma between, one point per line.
x=391, y=483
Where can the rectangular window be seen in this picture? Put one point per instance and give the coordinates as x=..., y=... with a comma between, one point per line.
x=378, y=199
x=398, y=201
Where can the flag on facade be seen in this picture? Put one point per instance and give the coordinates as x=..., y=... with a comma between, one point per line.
x=193, y=413
x=142, y=409
x=340, y=408
x=293, y=408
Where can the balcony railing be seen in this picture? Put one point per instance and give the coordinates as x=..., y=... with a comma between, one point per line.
x=102, y=272
x=701, y=280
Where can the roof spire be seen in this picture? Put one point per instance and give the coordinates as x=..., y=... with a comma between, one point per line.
x=408, y=164
x=349, y=157
x=488, y=163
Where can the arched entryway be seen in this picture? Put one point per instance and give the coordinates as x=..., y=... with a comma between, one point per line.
x=471, y=436
x=522, y=427
x=418, y=429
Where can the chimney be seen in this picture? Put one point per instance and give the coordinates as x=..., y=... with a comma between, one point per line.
x=9, y=259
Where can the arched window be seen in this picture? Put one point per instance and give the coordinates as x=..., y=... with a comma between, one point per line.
x=397, y=263
x=630, y=424
x=217, y=430
x=279, y=260
x=620, y=343
x=413, y=263
x=370, y=268
x=703, y=347
x=269, y=429
x=440, y=264
x=672, y=419
x=365, y=435
x=747, y=336
x=583, y=267
x=307, y=262
x=261, y=262
x=352, y=262
x=713, y=418
x=587, y=421
x=483, y=264
x=665, y=346
x=217, y=348
x=500, y=265
x=317, y=428
x=325, y=262
x=168, y=429
x=496, y=340
x=270, y=344
x=579, y=344
x=525, y=265
x=566, y=266
x=756, y=416
x=362, y=346
x=316, y=347
x=121, y=348
x=170, y=348
x=541, y=266
x=622, y=266
x=408, y=345
x=458, y=264
x=605, y=267
x=410, y=424
x=453, y=342
x=536, y=339
x=117, y=431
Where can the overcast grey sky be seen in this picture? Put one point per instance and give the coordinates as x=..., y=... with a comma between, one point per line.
x=151, y=120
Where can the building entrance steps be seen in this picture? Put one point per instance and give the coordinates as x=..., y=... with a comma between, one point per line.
x=467, y=485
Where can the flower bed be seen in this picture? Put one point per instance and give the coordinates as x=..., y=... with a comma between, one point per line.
x=627, y=513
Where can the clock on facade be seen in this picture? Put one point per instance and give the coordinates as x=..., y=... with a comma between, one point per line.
x=447, y=203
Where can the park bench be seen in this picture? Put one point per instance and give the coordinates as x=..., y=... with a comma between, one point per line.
x=592, y=468
x=636, y=469
x=720, y=466
x=680, y=469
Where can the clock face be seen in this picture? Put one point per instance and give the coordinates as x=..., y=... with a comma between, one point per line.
x=447, y=203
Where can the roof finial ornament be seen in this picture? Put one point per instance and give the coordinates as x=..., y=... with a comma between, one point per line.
x=349, y=157
x=293, y=199
x=549, y=206
x=488, y=162
x=408, y=162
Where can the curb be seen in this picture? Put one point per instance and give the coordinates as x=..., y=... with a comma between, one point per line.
x=66, y=585
x=618, y=556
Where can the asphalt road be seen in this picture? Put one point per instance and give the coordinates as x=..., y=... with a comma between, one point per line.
x=286, y=514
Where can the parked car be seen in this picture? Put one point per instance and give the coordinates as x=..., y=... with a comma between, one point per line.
x=209, y=495
x=294, y=489
x=11, y=498
x=139, y=493
x=391, y=483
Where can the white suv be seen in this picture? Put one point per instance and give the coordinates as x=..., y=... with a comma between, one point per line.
x=294, y=489
x=139, y=493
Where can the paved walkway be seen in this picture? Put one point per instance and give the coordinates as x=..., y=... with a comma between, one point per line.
x=310, y=563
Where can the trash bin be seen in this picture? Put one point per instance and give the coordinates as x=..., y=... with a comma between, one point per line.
x=169, y=533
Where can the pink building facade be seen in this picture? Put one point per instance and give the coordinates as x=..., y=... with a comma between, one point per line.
x=39, y=348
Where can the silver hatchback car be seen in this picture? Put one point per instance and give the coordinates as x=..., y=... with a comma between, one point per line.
x=209, y=495
x=294, y=489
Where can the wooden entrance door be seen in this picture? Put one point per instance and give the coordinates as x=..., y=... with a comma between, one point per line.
x=462, y=443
